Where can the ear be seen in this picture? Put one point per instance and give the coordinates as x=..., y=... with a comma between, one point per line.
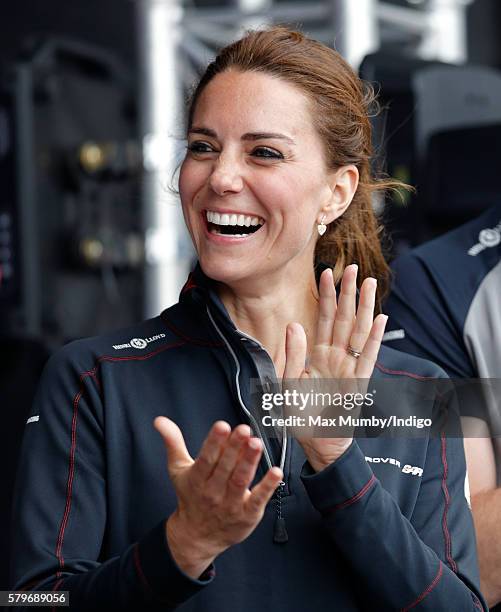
x=343, y=185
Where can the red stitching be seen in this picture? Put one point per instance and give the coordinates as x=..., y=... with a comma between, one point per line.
x=356, y=497
x=57, y=584
x=55, y=588
x=427, y=591
x=403, y=373
x=71, y=468
x=447, y=535
x=139, y=569
x=97, y=380
x=189, y=284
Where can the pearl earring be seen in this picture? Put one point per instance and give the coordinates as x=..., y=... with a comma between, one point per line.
x=321, y=227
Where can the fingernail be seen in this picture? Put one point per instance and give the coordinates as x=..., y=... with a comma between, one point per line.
x=244, y=431
x=254, y=443
x=222, y=428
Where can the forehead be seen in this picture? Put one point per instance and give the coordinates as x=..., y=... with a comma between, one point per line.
x=254, y=100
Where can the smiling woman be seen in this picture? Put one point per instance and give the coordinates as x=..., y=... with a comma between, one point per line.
x=276, y=193
x=297, y=117
x=254, y=153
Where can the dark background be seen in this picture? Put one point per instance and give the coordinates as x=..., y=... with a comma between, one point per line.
x=110, y=23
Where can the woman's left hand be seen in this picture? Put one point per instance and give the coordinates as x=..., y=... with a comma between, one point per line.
x=340, y=326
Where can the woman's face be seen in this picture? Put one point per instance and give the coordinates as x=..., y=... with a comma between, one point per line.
x=253, y=182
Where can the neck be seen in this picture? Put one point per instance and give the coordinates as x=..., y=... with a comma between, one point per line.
x=263, y=310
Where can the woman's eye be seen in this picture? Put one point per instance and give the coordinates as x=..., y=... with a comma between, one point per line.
x=268, y=152
x=199, y=147
x=264, y=152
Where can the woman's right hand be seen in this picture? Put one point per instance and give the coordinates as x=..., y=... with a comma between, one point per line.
x=215, y=509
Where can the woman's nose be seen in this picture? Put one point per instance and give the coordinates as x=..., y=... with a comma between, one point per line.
x=226, y=177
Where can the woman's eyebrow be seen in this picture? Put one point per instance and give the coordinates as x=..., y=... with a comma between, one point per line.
x=246, y=136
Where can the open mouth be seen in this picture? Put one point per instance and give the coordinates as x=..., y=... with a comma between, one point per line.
x=230, y=224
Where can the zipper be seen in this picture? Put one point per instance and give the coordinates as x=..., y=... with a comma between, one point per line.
x=280, y=535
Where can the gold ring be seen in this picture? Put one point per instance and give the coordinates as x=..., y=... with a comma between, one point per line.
x=353, y=352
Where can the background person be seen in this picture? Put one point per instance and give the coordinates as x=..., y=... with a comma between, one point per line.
x=445, y=306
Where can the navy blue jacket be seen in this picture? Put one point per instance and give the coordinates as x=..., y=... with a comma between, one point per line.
x=445, y=302
x=93, y=493
x=445, y=306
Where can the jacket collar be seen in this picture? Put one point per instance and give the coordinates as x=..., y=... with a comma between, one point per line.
x=201, y=290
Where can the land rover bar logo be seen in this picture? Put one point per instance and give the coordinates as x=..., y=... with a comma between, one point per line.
x=138, y=343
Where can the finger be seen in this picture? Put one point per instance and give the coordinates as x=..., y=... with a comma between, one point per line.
x=226, y=464
x=178, y=456
x=365, y=314
x=245, y=470
x=326, y=308
x=346, y=308
x=367, y=360
x=263, y=491
x=295, y=350
x=211, y=450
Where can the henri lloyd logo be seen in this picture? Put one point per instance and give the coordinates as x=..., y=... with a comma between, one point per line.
x=487, y=238
x=138, y=343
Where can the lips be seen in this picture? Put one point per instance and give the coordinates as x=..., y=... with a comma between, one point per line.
x=235, y=225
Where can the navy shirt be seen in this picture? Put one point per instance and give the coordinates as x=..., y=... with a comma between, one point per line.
x=93, y=492
x=445, y=305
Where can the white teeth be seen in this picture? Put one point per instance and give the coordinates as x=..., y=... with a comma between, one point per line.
x=233, y=219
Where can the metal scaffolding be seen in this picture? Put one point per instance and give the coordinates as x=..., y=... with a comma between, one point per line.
x=162, y=118
x=177, y=40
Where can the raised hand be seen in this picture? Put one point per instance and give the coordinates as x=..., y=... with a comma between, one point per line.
x=346, y=347
x=215, y=509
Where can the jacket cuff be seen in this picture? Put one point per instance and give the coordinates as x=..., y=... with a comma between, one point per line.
x=341, y=483
x=159, y=573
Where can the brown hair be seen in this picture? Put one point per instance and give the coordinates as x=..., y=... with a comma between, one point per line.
x=341, y=106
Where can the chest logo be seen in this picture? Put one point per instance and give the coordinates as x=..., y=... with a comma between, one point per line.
x=138, y=343
x=489, y=237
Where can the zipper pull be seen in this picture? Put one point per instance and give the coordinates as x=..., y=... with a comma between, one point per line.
x=280, y=535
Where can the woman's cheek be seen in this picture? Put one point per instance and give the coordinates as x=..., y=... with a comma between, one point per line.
x=183, y=184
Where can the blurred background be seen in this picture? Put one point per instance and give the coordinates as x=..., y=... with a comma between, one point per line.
x=91, y=134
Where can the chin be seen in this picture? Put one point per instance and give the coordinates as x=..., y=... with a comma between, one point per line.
x=225, y=270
